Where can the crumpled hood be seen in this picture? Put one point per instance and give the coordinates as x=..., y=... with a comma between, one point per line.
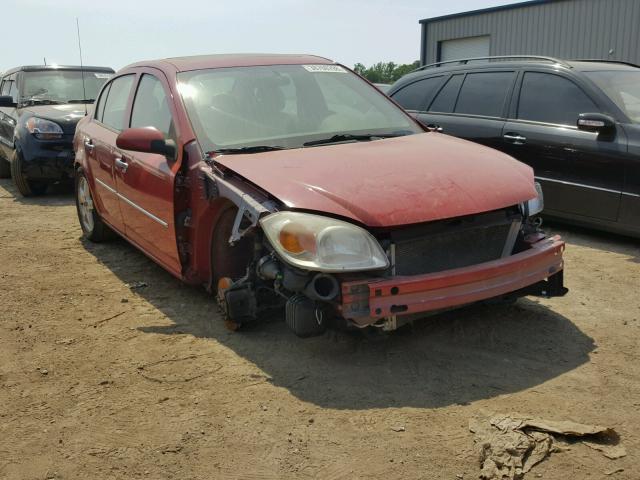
x=66, y=115
x=391, y=182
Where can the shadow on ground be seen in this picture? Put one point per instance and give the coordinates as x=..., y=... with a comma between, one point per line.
x=461, y=356
x=598, y=239
x=58, y=195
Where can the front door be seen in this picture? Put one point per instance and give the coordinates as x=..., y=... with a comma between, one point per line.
x=581, y=172
x=145, y=181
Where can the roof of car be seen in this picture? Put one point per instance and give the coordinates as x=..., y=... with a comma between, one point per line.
x=39, y=68
x=473, y=64
x=200, y=62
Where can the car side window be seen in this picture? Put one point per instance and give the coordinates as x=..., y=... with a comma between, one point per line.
x=102, y=100
x=9, y=87
x=151, y=108
x=116, y=102
x=484, y=93
x=445, y=101
x=415, y=95
x=549, y=98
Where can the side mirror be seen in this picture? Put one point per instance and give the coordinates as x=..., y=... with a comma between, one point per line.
x=596, y=122
x=7, y=101
x=147, y=140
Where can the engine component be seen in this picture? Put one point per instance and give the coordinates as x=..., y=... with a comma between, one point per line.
x=268, y=268
x=305, y=317
x=322, y=287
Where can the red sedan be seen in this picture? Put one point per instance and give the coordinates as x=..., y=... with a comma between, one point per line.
x=287, y=181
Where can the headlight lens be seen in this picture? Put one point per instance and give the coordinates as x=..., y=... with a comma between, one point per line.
x=323, y=244
x=535, y=205
x=44, y=129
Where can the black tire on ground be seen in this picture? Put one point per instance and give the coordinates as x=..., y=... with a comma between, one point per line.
x=5, y=168
x=93, y=228
x=27, y=188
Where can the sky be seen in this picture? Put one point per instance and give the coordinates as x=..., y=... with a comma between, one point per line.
x=118, y=32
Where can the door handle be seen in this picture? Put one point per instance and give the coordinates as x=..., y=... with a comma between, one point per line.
x=122, y=165
x=88, y=145
x=515, y=138
x=435, y=128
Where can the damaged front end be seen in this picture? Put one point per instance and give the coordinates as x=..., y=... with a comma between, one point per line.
x=327, y=271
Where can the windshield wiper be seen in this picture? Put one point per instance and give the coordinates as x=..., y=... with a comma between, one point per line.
x=40, y=101
x=252, y=149
x=345, y=137
x=86, y=100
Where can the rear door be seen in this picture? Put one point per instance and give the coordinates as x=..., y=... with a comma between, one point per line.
x=582, y=173
x=99, y=143
x=472, y=106
x=145, y=181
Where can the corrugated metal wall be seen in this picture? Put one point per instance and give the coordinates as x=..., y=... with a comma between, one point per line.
x=568, y=29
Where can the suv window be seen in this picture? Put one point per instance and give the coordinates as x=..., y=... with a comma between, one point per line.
x=9, y=87
x=484, y=93
x=550, y=98
x=150, y=107
x=445, y=101
x=415, y=95
x=116, y=102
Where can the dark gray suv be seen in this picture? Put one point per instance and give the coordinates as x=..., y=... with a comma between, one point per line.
x=577, y=123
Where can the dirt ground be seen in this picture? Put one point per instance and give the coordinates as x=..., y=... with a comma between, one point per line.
x=99, y=381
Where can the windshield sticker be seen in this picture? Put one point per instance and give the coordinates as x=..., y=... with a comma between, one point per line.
x=102, y=75
x=324, y=68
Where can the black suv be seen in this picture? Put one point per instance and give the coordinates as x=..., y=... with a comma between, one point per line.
x=577, y=123
x=39, y=109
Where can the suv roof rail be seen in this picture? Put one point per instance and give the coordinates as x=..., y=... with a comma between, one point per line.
x=599, y=60
x=464, y=61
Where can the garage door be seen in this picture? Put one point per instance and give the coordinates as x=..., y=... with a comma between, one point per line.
x=469, y=47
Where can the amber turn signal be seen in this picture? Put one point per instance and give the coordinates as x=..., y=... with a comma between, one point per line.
x=296, y=239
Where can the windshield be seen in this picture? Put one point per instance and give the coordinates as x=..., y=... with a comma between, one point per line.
x=286, y=106
x=623, y=87
x=61, y=86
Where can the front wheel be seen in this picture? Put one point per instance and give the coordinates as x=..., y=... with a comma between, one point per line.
x=93, y=228
x=5, y=168
x=28, y=188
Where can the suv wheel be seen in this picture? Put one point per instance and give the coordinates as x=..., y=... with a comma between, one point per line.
x=93, y=228
x=26, y=187
x=5, y=168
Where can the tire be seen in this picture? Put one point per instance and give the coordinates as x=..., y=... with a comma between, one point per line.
x=28, y=188
x=5, y=168
x=93, y=228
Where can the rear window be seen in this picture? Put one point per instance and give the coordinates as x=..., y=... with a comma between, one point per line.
x=415, y=95
x=445, y=101
x=116, y=102
x=484, y=93
x=549, y=98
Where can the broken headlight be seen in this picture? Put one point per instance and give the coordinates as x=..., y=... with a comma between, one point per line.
x=535, y=205
x=322, y=244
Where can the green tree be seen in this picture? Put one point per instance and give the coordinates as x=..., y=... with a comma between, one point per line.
x=385, y=72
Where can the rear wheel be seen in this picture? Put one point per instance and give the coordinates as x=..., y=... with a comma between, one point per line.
x=93, y=228
x=26, y=187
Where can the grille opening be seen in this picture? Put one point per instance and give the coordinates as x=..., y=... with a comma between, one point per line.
x=455, y=243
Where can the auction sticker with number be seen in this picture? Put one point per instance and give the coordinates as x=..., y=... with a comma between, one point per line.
x=324, y=68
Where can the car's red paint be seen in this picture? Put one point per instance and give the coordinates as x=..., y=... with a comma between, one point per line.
x=163, y=207
x=451, y=288
x=396, y=181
